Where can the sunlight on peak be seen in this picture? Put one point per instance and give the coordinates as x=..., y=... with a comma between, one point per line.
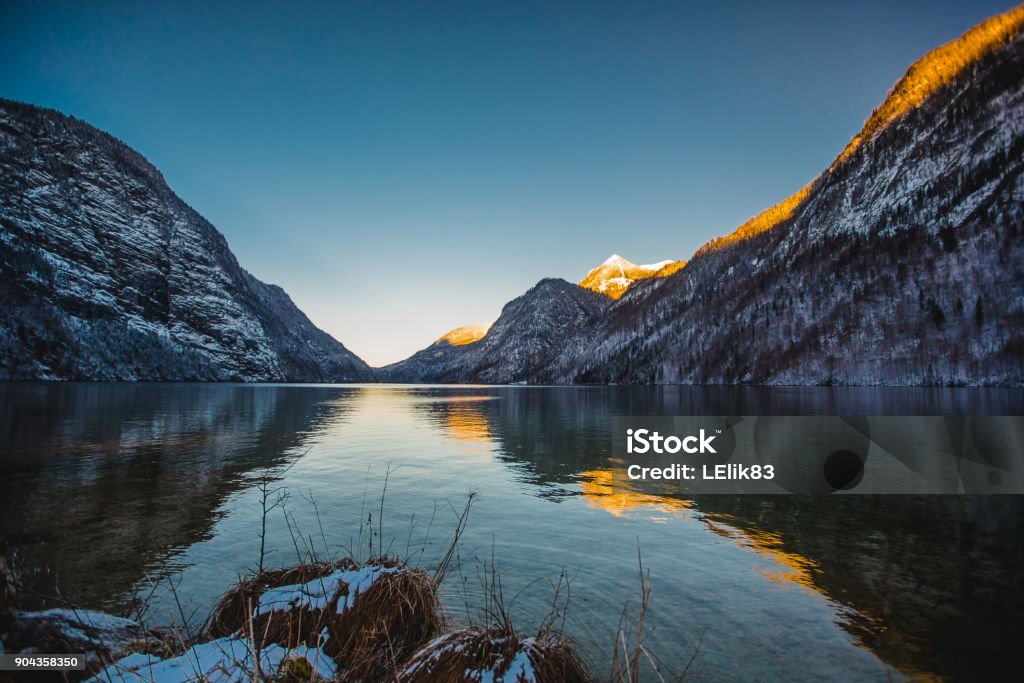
x=616, y=275
x=762, y=222
x=467, y=334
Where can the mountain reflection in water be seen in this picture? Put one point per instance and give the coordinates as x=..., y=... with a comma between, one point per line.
x=110, y=486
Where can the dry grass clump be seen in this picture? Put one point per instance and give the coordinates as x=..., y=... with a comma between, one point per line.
x=232, y=612
x=475, y=654
x=367, y=634
x=385, y=626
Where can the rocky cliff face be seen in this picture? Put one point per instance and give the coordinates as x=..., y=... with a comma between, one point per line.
x=105, y=274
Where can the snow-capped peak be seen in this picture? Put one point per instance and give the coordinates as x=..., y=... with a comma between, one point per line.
x=616, y=275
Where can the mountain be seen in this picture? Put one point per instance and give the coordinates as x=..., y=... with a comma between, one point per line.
x=525, y=338
x=615, y=276
x=467, y=334
x=106, y=274
x=902, y=263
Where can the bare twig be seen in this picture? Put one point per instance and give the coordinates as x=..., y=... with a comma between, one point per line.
x=328, y=557
x=627, y=670
x=263, y=485
x=460, y=528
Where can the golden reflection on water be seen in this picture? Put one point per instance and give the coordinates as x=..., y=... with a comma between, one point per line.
x=787, y=567
x=602, y=489
x=462, y=419
x=467, y=423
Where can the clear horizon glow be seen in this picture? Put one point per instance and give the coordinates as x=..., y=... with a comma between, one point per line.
x=403, y=169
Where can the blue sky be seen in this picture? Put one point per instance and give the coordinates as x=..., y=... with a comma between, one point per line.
x=403, y=168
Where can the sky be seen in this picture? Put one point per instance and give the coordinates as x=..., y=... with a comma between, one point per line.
x=405, y=168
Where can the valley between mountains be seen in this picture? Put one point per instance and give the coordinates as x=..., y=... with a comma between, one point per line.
x=901, y=264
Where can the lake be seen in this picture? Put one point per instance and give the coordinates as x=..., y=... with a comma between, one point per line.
x=110, y=492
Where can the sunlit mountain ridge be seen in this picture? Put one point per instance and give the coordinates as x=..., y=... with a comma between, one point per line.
x=923, y=79
x=936, y=69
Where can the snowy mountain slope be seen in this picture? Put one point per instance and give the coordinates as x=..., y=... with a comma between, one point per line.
x=901, y=264
x=525, y=338
x=615, y=276
x=106, y=274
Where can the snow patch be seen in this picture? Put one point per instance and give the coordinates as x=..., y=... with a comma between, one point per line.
x=656, y=266
x=319, y=593
x=225, y=660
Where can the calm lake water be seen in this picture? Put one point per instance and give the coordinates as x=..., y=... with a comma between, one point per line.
x=115, y=488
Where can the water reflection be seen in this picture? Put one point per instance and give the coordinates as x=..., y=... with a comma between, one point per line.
x=461, y=418
x=932, y=584
x=601, y=490
x=782, y=567
x=106, y=483
x=103, y=482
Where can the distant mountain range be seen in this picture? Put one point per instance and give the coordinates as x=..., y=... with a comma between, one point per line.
x=527, y=335
x=528, y=332
x=901, y=263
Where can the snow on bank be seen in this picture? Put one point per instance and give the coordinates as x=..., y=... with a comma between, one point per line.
x=231, y=659
x=95, y=634
x=88, y=626
x=225, y=660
